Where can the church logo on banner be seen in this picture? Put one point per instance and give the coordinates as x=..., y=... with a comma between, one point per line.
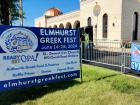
x=18, y=40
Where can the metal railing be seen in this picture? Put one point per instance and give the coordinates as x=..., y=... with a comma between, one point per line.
x=107, y=53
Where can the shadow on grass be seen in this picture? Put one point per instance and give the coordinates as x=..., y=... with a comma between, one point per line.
x=21, y=95
x=105, y=77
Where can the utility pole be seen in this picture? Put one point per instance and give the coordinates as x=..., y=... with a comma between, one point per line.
x=21, y=12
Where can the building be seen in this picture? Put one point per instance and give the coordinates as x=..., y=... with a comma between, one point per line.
x=101, y=19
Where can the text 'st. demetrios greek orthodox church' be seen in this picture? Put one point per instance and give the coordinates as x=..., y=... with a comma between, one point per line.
x=117, y=20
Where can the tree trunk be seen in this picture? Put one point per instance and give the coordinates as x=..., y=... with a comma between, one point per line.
x=5, y=12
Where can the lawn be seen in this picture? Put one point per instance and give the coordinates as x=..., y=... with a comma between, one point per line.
x=100, y=86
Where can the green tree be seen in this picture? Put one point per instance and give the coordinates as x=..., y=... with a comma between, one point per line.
x=9, y=11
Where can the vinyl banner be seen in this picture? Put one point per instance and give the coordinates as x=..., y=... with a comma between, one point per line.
x=135, y=57
x=32, y=56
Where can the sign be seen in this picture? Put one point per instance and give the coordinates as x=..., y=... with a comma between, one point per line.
x=32, y=56
x=135, y=57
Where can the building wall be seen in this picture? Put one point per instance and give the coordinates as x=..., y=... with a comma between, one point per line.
x=40, y=22
x=71, y=18
x=110, y=7
x=120, y=18
x=128, y=9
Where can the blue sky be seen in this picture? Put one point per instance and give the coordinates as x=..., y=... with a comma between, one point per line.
x=36, y=8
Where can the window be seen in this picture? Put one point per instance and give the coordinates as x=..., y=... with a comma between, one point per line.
x=135, y=25
x=105, y=25
x=68, y=25
x=89, y=21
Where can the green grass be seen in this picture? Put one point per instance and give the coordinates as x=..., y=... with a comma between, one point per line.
x=100, y=87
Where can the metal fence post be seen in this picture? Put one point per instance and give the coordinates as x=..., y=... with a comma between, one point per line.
x=81, y=56
x=122, y=58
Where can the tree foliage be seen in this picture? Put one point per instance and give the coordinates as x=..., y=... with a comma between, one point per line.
x=9, y=11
